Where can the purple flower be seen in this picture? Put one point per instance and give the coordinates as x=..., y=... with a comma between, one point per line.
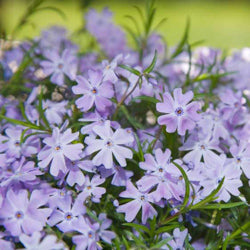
x=95, y=91
x=241, y=154
x=57, y=148
x=178, y=241
x=34, y=242
x=89, y=237
x=5, y=244
x=109, y=69
x=232, y=106
x=75, y=174
x=90, y=188
x=20, y=214
x=57, y=196
x=211, y=121
x=54, y=111
x=104, y=234
x=140, y=200
x=108, y=145
x=180, y=114
x=162, y=174
x=121, y=176
x=96, y=119
x=57, y=66
x=11, y=143
x=65, y=214
x=111, y=38
x=201, y=146
x=213, y=175
x=21, y=172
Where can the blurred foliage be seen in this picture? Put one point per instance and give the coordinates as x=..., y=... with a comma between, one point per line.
x=221, y=23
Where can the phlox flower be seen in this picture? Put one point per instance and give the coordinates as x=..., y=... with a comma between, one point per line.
x=21, y=172
x=58, y=66
x=89, y=235
x=37, y=242
x=109, y=73
x=141, y=200
x=54, y=111
x=12, y=146
x=178, y=241
x=57, y=148
x=95, y=91
x=180, y=114
x=91, y=188
x=110, y=143
x=241, y=154
x=213, y=175
x=105, y=223
x=120, y=175
x=232, y=107
x=201, y=146
x=66, y=213
x=75, y=174
x=22, y=215
x=161, y=173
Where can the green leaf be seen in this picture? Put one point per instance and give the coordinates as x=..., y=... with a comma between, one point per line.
x=183, y=41
x=22, y=123
x=209, y=198
x=137, y=227
x=161, y=243
x=152, y=65
x=131, y=119
x=128, y=68
x=234, y=234
x=187, y=185
x=126, y=244
x=207, y=76
x=41, y=111
x=22, y=135
x=146, y=98
x=223, y=206
x=140, y=13
x=134, y=22
x=57, y=10
x=23, y=112
x=132, y=34
x=140, y=151
x=35, y=133
x=117, y=244
x=166, y=228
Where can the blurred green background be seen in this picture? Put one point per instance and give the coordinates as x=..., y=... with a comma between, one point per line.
x=220, y=23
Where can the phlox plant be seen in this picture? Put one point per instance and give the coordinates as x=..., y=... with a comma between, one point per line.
x=125, y=142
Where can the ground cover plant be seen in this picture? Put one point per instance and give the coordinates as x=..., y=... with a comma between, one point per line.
x=124, y=143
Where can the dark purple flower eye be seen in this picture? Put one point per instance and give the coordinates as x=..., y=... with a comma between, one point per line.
x=109, y=143
x=19, y=215
x=219, y=180
x=143, y=197
x=68, y=216
x=57, y=148
x=60, y=66
x=94, y=90
x=179, y=111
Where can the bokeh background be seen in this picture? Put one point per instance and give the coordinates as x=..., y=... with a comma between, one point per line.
x=220, y=23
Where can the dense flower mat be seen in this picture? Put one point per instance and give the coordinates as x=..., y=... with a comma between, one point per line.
x=117, y=147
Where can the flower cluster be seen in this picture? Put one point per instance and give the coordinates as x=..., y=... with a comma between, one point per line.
x=123, y=147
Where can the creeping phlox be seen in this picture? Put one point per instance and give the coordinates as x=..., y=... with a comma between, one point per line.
x=113, y=147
